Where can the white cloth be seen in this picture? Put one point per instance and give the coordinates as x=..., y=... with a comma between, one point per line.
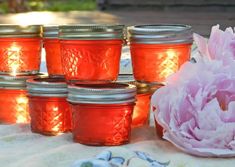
x=19, y=147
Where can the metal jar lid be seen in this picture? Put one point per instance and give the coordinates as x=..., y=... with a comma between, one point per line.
x=160, y=34
x=50, y=31
x=129, y=79
x=47, y=87
x=19, y=31
x=141, y=87
x=91, y=32
x=111, y=93
x=15, y=82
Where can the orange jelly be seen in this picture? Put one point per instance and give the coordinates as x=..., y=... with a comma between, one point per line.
x=52, y=48
x=20, y=49
x=102, y=113
x=141, y=110
x=49, y=110
x=158, y=51
x=91, y=53
x=13, y=99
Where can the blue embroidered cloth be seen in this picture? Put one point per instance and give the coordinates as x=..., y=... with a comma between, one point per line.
x=120, y=157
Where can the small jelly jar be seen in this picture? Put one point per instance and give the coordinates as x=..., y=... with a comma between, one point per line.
x=13, y=99
x=48, y=108
x=20, y=49
x=157, y=51
x=102, y=113
x=52, y=47
x=141, y=112
x=91, y=53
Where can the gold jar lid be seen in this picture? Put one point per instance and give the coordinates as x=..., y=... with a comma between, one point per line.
x=141, y=87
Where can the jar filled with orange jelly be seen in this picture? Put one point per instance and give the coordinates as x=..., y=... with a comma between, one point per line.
x=158, y=51
x=48, y=108
x=20, y=49
x=13, y=99
x=52, y=47
x=102, y=113
x=91, y=53
x=141, y=111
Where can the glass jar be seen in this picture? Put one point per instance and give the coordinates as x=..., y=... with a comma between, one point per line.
x=158, y=51
x=20, y=49
x=141, y=111
x=13, y=99
x=52, y=47
x=91, y=53
x=49, y=110
x=102, y=113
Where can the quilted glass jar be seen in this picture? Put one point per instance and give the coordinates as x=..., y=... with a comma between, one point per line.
x=48, y=108
x=157, y=51
x=20, y=49
x=52, y=47
x=141, y=111
x=91, y=53
x=102, y=113
x=13, y=99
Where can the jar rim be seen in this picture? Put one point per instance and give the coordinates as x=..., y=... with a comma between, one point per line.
x=111, y=93
x=91, y=31
x=20, y=31
x=141, y=87
x=46, y=86
x=50, y=31
x=160, y=34
x=15, y=82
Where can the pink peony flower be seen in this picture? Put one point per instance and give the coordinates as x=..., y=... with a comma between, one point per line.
x=196, y=108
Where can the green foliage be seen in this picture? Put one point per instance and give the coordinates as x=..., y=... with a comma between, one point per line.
x=68, y=5
x=54, y=5
x=62, y=5
x=3, y=7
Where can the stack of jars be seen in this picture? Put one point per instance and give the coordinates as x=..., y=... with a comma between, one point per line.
x=157, y=51
x=20, y=50
x=81, y=93
x=49, y=110
x=101, y=108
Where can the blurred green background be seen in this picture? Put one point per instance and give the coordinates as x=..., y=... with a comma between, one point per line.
x=12, y=6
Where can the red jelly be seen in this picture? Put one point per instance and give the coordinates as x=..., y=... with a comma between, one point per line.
x=20, y=49
x=102, y=113
x=91, y=53
x=158, y=51
x=52, y=46
x=13, y=99
x=140, y=115
x=49, y=110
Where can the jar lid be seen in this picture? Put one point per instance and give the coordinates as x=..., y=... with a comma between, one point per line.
x=15, y=82
x=50, y=31
x=160, y=34
x=47, y=87
x=19, y=31
x=129, y=79
x=141, y=87
x=111, y=93
x=91, y=32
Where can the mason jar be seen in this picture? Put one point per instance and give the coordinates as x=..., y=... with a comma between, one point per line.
x=102, y=113
x=91, y=53
x=20, y=49
x=158, y=51
x=141, y=111
x=49, y=111
x=13, y=99
x=52, y=47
